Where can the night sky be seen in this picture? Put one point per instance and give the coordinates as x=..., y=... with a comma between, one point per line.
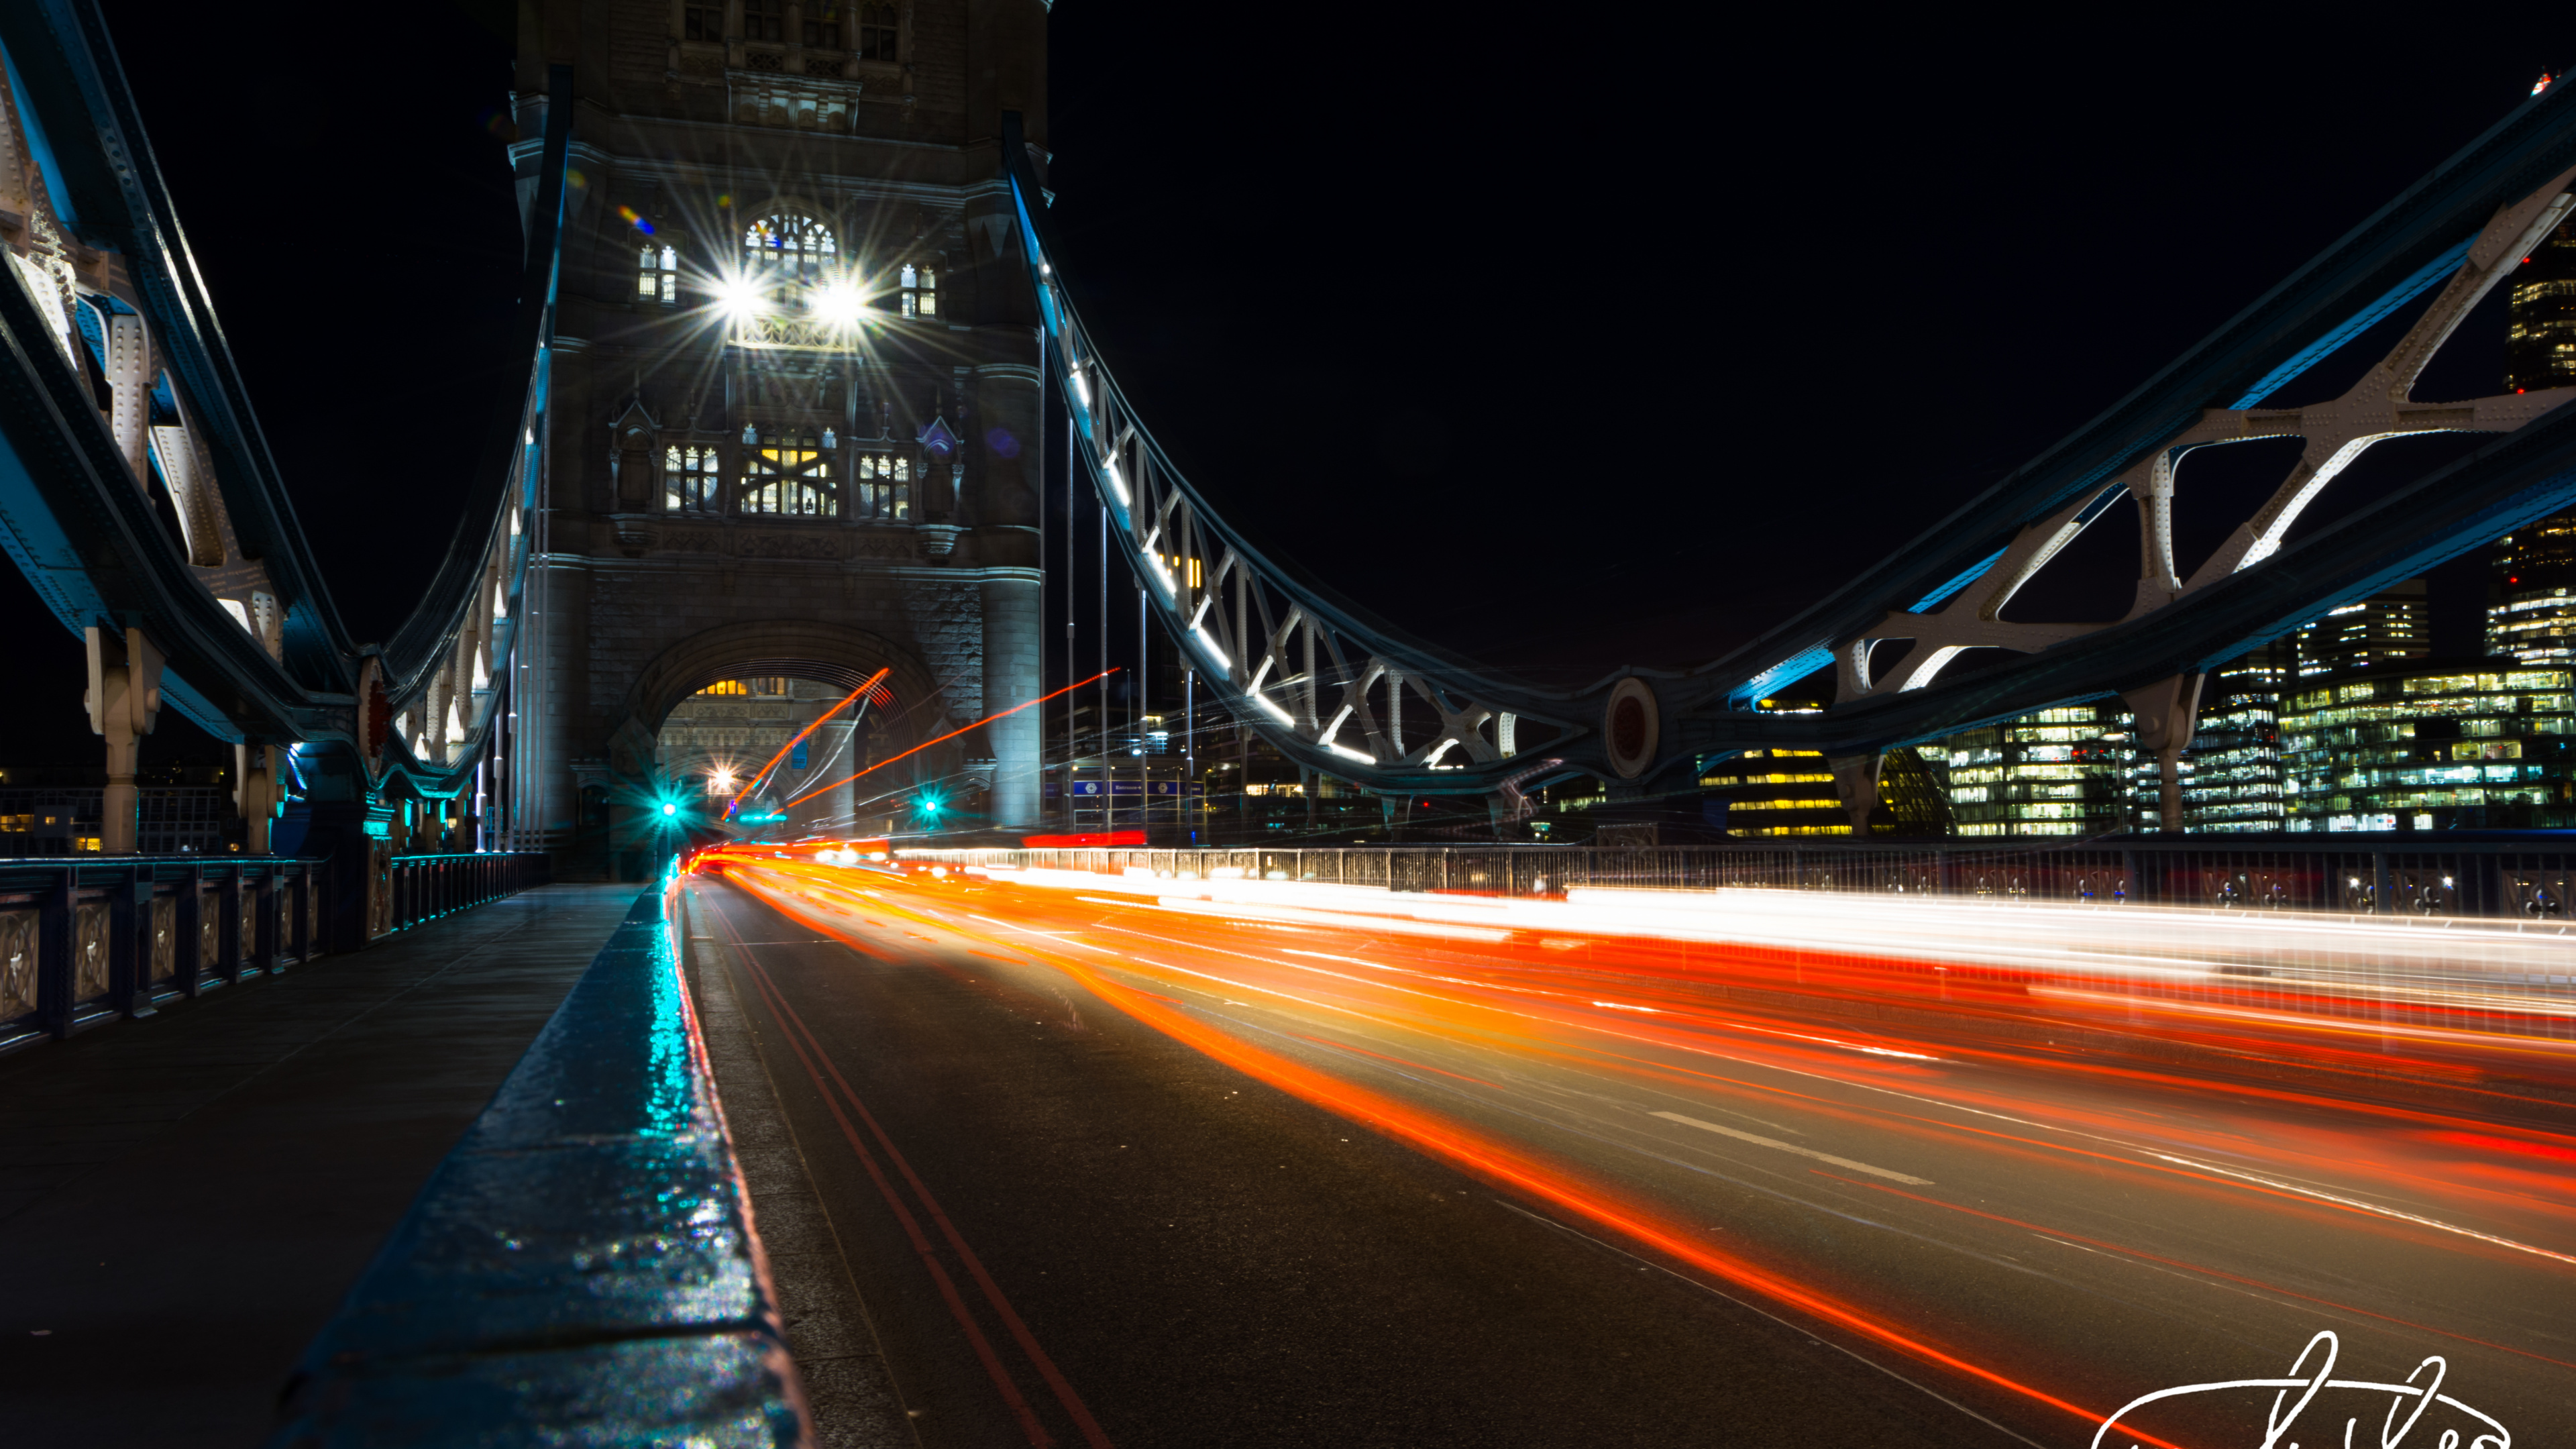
x=1563, y=343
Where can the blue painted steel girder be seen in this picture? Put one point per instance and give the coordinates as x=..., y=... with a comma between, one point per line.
x=2404, y=249
x=91, y=542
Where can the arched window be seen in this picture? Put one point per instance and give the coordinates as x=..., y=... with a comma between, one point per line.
x=788, y=473
x=879, y=32
x=689, y=480
x=920, y=291
x=884, y=488
x=786, y=256
x=823, y=24
x=657, y=275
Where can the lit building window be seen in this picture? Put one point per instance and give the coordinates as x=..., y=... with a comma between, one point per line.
x=785, y=257
x=702, y=22
x=823, y=24
x=884, y=488
x=788, y=474
x=879, y=31
x=657, y=275
x=689, y=480
x=920, y=291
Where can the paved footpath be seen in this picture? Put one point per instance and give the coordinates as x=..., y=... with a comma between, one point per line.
x=185, y=1198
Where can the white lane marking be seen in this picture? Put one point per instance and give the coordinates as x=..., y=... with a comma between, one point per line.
x=1760, y=1141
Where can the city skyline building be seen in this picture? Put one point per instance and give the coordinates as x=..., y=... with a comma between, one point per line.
x=2531, y=614
x=2231, y=770
x=2052, y=772
x=2431, y=745
x=2390, y=626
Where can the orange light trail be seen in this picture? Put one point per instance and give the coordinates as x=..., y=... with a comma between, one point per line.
x=1888, y=1047
x=952, y=734
x=864, y=687
x=1462, y=1146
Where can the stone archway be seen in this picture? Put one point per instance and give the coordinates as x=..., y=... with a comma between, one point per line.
x=803, y=648
x=817, y=660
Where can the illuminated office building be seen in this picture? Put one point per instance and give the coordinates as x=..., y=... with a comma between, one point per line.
x=2052, y=772
x=2231, y=771
x=2429, y=746
x=2540, y=320
x=1765, y=793
x=2533, y=617
x=1770, y=793
x=2388, y=627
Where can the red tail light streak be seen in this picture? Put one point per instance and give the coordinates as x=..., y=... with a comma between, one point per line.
x=1626, y=1060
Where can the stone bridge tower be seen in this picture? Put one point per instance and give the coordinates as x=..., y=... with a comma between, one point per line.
x=793, y=428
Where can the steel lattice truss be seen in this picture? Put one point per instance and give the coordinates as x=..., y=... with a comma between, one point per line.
x=2373, y=410
x=1330, y=692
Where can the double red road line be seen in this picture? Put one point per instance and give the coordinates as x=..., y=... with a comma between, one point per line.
x=836, y=1091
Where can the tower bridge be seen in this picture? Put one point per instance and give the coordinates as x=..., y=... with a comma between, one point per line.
x=788, y=310
x=797, y=349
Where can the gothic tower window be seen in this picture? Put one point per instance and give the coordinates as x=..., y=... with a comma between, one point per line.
x=764, y=19
x=920, y=291
x=787, y=473
x=884, y=488
x=823, y=24
x=879, y=29
x=689, y=480
x=657, y=275
x=702, y=22
x=784, y=257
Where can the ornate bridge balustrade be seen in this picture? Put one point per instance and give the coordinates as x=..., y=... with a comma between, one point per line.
x=84, y=943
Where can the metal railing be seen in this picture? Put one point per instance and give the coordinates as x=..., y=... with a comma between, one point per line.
x=84, y=942
x=425, y=887
x=2526, y=878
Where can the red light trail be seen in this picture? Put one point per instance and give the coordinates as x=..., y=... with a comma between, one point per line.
x=952, y=734
x=2339, y=1134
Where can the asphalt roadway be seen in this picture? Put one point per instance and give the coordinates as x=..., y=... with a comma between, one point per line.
x=1107, y=1171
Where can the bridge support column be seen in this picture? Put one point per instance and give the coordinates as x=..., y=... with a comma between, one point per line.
x=256, y=791
x=1011, y=677
x=124, y=702
x=1856, y=781
x=2165, y=712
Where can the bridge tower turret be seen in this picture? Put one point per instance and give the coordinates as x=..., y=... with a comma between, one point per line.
x=794, y=421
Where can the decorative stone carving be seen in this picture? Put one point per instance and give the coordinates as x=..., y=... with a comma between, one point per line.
x=788, y=545
x=937, y=539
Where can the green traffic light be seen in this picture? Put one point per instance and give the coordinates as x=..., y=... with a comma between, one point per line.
x=670, y=809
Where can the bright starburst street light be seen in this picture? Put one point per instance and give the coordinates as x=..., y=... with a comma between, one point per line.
x=737, y=296
x=840, y=305
x=720, y=782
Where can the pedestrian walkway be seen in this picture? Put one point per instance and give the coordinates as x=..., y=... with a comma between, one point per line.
x=185, y=1198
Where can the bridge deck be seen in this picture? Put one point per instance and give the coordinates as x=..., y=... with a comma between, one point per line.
x=186, y=1198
